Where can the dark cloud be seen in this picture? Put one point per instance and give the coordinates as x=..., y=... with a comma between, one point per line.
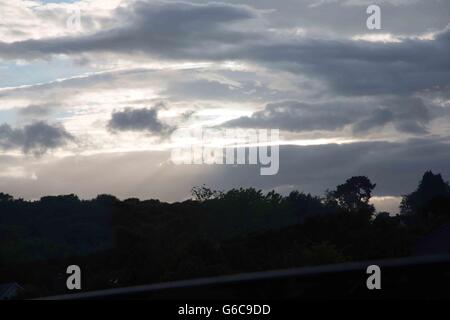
x=297, y=116
x=410, y=115
x=347, y=17
x=137, y=120
x=168, y=29
x=36, y=138
x=216, y=31
x=362, y=67
x=395, y=167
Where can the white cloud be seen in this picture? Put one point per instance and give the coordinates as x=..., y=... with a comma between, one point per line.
x=22, y=20
x=377, y=37
x=387, y=204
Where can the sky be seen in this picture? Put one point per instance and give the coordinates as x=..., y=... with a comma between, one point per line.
x=91, y=90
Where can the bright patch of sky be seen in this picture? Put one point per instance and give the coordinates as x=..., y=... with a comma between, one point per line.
x=23, y=73
x=8, y=116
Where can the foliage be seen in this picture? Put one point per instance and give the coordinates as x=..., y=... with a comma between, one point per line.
x=121, y=243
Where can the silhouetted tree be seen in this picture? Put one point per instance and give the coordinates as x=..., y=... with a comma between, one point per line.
x=4, y=197
x=354, y=195
x=430, y=188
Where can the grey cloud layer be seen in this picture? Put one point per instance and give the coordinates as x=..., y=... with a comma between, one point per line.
x=365, y=68
x=216, y=31
x=409, y=115
x=37, y=137
x=342, y=18
x=169, y=29
x=395, y=167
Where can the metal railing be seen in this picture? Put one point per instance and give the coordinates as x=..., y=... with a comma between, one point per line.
x=412, y=277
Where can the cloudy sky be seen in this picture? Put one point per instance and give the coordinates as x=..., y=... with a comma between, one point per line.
x=88, y=108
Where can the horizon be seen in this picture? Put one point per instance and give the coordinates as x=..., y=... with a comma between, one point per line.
x=382, y=204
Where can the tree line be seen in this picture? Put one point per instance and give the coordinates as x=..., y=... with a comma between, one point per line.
x=122, y=243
